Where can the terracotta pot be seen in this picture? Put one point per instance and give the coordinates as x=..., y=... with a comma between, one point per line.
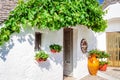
x=41, y=60
x=103, y=67
x=53, y=51
x=93, y=65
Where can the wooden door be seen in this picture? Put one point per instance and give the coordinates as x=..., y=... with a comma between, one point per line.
x=68, y=51
x=113, y=48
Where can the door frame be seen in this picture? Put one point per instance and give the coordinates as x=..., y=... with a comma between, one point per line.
x=70, y=30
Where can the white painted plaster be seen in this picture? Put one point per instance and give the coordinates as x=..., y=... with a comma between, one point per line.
x=17, y=58
x=113, y=18
x=101, y=41
x=113, y=11
x=79, y=59
x=113, y=25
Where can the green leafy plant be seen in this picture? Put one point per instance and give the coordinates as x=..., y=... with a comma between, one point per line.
x=41, y=56
x=103, y=65
x=99, y=53
x=53, y=15
x=55, y=48
x=94, y=52
x=102, y=57
x=103, y=62
x=103, y=54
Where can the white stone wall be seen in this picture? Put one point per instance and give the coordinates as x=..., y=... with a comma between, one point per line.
x=79, y=59
x=55, y=66
x=113, y=11
x=113, y=18
x=17, y=58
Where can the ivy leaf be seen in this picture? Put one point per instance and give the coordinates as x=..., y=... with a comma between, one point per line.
x=5, y=37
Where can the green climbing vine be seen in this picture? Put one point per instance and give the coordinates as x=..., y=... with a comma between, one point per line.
x=53, y=15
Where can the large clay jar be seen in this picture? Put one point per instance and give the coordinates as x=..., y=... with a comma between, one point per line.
x=93, y=65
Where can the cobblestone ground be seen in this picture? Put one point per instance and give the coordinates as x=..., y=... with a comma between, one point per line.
x=112, y=73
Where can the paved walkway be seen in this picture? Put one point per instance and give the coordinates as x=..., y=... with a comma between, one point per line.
x=112, y=73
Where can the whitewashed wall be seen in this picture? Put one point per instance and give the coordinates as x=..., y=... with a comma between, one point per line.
x=113, y=18
x=79, y=59
x=17, y=58
x=113, y=11
x=55, y=71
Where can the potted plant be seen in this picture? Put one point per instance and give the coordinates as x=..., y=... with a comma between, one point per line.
x=41, y=56
x=103, y=65
x=55, y=48
x=93, y=62
x=95, y=52
x=103, y=56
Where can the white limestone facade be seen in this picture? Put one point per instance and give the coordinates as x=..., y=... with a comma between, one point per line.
x=113, y=21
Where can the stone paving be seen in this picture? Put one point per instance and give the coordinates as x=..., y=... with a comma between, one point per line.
x=89, y=77
x=112, y=73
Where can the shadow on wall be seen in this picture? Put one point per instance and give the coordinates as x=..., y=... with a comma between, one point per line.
x=44, y=65
x=4, y=50
x=56, y=57
x=21, y=37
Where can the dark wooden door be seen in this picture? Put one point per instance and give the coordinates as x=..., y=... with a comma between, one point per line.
x=68, y=51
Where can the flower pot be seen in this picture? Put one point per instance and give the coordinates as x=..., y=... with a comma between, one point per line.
x=41, y=60
x=103, y=67
x=55, y=48
x=53, y=51
x=41, y=56
x=93, y=65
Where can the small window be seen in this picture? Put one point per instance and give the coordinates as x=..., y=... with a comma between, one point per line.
x=83, y=45
x=38, y=41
